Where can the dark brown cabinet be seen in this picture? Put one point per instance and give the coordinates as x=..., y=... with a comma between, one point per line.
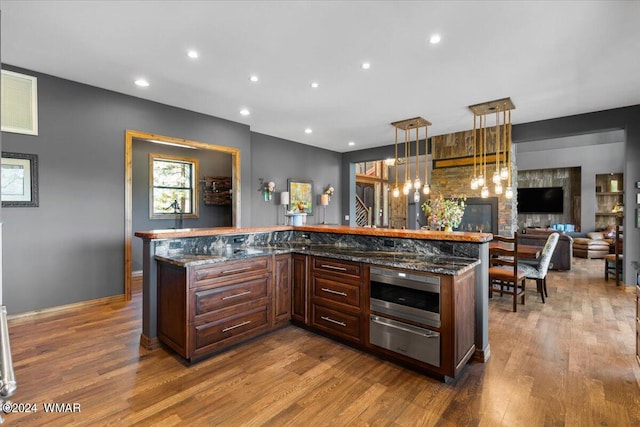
x=337, y=298
x=282, y=289
x=204, y=308
x=300, y=290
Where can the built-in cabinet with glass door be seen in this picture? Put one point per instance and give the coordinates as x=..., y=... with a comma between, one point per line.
x=609, y=200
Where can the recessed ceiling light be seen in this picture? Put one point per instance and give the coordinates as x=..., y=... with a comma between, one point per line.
x=245, y=112
x=253, y=78
x=192, y=54
x=307, y=130
x=351, y=143
x=141, y=83
x=366, y=65
x=315, y=85
x=434, y=39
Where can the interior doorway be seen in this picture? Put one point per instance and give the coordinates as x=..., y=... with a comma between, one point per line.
x=130, y=136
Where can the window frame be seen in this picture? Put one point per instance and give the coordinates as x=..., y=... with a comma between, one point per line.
x=33, y=130
x=195, y=194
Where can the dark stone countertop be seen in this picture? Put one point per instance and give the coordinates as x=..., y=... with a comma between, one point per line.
x=447, y=265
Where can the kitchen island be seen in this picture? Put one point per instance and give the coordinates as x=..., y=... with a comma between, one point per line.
x=432, y=252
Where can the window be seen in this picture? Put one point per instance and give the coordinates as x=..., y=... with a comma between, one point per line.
x=19, y=103
x=172, y=186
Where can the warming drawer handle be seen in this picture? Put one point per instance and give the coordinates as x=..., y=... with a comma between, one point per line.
x=333, y=267
x=328, y=319
x=236, y=295
x=236, y=326
x=331, y=291
x=426, y=335
x=237, y=270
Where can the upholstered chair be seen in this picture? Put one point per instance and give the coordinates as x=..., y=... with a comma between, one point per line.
x=539, y=270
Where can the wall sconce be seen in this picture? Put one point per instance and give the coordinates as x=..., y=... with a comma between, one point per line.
x=267, y=188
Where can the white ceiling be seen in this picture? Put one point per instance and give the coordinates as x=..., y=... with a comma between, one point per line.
x=552, y=58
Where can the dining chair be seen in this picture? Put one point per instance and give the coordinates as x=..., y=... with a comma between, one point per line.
x=538, y=269
x=504, y=275
x=613, y=262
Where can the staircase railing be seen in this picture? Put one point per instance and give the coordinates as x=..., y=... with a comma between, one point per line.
x=363, y=213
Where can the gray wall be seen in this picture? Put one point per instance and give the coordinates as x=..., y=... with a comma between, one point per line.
x=211, y=163
x=592, y=159
x=278, y=160
x=71, y=247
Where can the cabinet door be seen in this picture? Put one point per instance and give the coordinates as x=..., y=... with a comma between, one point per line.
x=282, y=289
x=300, y=310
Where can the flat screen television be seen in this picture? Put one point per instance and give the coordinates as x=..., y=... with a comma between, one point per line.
x=540, y=200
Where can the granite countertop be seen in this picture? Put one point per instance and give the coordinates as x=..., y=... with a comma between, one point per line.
x=408, y=260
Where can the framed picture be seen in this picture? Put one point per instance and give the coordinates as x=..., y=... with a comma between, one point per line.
x=19, y=180
x=638, y=198
x=301, y=195
x=637, y=218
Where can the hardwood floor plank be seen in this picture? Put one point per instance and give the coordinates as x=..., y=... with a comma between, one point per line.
x=567, y=362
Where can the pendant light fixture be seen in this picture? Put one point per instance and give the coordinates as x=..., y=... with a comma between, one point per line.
x=503, y=145
x=407, y=125
x=396, y=190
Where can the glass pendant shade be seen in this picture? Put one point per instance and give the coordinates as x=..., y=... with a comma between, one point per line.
x=508, y=193
x=480, y=180
x=484, y=193
x=504, y=173
x=498, y=188
x=396, y=191
x=405, y=190
x=426, y=189
x=496, y=177
x=417, y=184
x=474, y=183
x=416, y=197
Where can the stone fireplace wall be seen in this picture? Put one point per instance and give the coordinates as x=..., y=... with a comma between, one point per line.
x=455, y=177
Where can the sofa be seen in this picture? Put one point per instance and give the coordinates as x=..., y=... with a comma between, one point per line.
x=596, y=244
x=562, y=255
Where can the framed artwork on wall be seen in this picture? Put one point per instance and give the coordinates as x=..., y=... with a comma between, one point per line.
x=301, y=195
x=637, y=218
x=19, y=180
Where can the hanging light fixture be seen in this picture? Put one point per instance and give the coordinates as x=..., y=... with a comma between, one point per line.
x=396, y=190
x=474, y=180
x=502, y=147
x=407, y=125
x=425, y=188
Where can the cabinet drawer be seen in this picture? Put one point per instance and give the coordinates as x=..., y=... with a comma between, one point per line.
x=334, y=291
x=335, y=322
x=335, y=266
x=230, y=269
x=207, y=300
x=228, y=328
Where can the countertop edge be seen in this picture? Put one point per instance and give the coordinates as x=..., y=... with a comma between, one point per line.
x=455, y=236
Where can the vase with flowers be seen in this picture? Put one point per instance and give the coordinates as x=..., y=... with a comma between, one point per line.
x=445, y=212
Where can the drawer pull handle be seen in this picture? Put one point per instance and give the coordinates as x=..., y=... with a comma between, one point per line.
x=333, y=267
x=237, y=270
x=331, y=291
x=236, y=326
x=236, y=295
x=328, y=319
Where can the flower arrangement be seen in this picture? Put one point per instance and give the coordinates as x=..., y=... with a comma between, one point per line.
x=329, y=191
x=446, y=213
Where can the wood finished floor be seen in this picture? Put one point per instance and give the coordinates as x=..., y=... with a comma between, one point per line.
x=568, y=362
